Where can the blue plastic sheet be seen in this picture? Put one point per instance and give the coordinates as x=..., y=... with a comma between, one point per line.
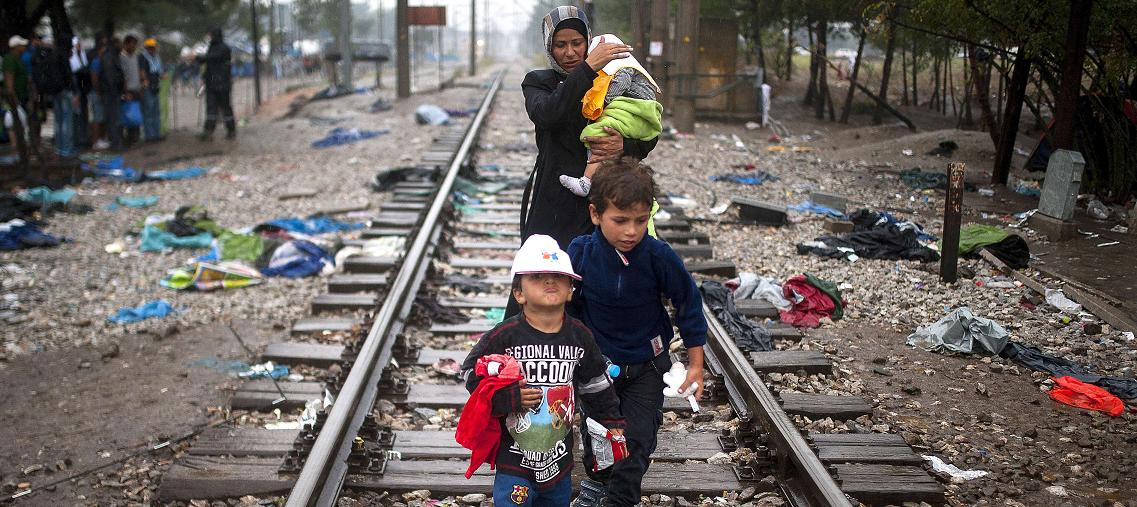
x=18, y=235
x=45, y=196
x=177, y=174
x=153, y=309
x=113, y=168
x=157, y=240
x=313, y=225
x=298, y=259
x=817, y=209
x=746, y=178
x=339, y=136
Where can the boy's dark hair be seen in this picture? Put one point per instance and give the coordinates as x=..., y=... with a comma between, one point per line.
x=129, y=39
x=623, y=183
x=516, y=285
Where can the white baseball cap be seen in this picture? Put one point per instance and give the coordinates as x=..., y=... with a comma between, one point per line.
x=16, y=40
x=541, y=254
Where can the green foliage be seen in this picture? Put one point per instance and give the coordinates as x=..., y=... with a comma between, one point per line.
x=191, y=17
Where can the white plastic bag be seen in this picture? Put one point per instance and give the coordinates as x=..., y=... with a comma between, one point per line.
x=606, y=447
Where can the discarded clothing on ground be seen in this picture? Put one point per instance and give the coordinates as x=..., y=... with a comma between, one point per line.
x=461, y=113
x=380, y=105
x=232, y=246
x=466, y=283
x=157, y=240
x=297, y=259
x=312, y=225
x=751, y=286
x=141, y=201
x=386, y=246
x=152, y=309
x=1037, y=360
x=945, y=149
x=17, y=234
x=814, y=208
x=205, y=276
x=191, y=221
x=427, y=307
x=387, y=178
x=745, y=177
x=813, y=299
x=1073, y=392
x=864, y=219
x=176, y=174
x=430, y=114
x=887, y=242
x=12, y=207
x=747, y=334
x=113, y=168
x=265, y=370
x=340, y=136
x=1010, y=248
x=46, y=197
x=961, y=331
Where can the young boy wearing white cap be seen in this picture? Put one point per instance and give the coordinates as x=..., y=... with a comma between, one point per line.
x=557, y=356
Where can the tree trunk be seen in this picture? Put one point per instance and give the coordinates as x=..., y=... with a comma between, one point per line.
x=853, y=79
x=756, y=36
x=811, y=89
x=903, y=77
x=822, y=52
x=982, y=96
x=1016, y=94
x=951, y=85
x=933, y=101
x=915, y=76
x=967, y=121
x=1067, y=100
x=790, y=50
x=890, y=46
x=944, y=66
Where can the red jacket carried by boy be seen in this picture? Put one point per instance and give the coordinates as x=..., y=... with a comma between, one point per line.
x=478, y=429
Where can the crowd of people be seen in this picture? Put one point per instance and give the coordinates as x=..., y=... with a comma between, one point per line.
x=105, y=97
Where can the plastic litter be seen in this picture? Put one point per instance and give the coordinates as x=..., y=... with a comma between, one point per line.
x=297, y=259
x=606, y=447
x=745, y=178
x=674, y=379
x=17, y=234
x=265, y=370
x=142, y=201
x=113, y=168
x=313, y=225
x=1097, y=209
x=206, y=276
x=1058, y=299
x=1074, y=392
x=177, y=174
x=157, y=240
x=153, y=309
x=957, y=474
x=45, y=196
x=1027, y=188
x=960, y=331
x=809, y=207
x=339, y=136
x=430, y=114
x=1109, y=243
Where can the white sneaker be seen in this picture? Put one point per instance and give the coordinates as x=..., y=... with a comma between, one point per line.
x=101, y=145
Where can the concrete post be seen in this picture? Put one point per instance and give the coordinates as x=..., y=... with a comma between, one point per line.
x=1059, y=193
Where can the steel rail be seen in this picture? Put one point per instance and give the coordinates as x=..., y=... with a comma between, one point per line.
x=324, y=471
x=794, y=456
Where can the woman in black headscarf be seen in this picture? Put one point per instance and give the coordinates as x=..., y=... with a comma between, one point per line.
x=553, y=101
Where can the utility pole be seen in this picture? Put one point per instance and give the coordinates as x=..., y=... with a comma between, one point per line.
x=403, y=48
x=659, y=43
x=639, y=12
x=256, y=55
x=473, y=37
x=345, y=44
x=686, y=54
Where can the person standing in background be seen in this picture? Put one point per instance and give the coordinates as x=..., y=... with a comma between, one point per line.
x=218, y=85
x=132, y=76
x=111, y=83
x=151, y=65
x=81, y=73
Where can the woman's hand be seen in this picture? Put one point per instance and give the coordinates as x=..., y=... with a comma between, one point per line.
x=605, y=52
x=606, y=147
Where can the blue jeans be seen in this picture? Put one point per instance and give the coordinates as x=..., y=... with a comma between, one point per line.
x=509, y=490
x=64, y=124
x=151, y=116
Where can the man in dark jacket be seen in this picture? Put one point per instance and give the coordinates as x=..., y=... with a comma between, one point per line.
x=218, y=85
x=111, y=84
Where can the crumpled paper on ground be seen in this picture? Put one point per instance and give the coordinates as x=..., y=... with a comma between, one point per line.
x=1058, y=299
x=941, y=467
x=959, y=331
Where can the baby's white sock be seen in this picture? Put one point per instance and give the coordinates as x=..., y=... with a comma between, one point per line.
x=579, y=186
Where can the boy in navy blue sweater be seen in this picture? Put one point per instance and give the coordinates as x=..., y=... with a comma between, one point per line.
x=625, y=272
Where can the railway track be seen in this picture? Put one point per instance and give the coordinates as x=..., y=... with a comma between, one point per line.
x=743, y=446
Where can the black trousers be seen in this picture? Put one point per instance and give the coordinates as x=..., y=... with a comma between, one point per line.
x=219, y=106
x=640, y=389
x=112, y=118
